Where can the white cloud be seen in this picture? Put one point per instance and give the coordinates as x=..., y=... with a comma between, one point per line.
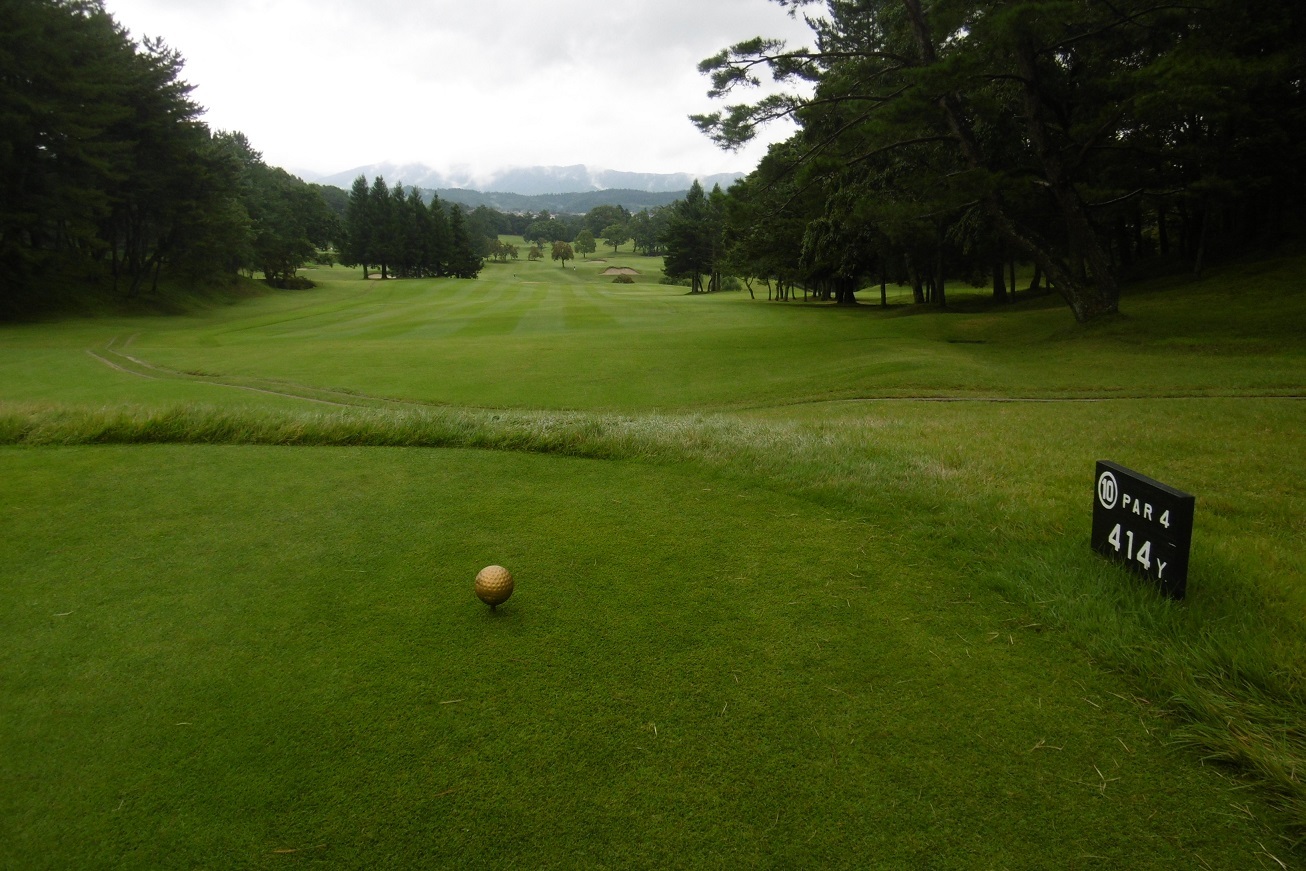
x=333, y=84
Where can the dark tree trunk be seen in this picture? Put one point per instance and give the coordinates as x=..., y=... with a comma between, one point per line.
x=1141, y=248
x=1186, y=245
x=917, y=288
x=999, y=281
x=1203, y=240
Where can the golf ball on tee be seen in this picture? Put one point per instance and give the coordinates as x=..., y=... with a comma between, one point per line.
x=493, y=585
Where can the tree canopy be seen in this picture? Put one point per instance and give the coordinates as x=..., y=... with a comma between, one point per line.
x=109, y=180
x=691, y=239
x=941, y=139
x=396, y=231
x=562, y=251
x=616, y=235
x=584, y=242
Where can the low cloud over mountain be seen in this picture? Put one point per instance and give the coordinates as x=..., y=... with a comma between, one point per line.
x=528, y=181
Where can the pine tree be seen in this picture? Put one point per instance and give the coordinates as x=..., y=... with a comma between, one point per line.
x=1059, y=121
x=358, y=226
x=104, y=165
x=688, y=239
x=441, y=241
x=417, y=242
x=464, y=262
x=381, y=250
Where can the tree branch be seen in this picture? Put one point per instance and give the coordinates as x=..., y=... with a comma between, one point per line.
x=1121, y=19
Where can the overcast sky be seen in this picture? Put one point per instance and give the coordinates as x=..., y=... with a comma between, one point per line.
x=330, y=85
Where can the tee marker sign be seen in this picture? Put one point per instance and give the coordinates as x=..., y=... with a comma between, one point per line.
x=1145, y=524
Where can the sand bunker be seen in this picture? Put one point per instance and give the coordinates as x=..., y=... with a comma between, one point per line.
x=619, y=270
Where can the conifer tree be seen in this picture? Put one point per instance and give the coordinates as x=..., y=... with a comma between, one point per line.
x=464, y=262
x=441, y=241
x=382, y=242
x=688, y=239
x=359, y=228
x=1061, y=132
x=105, y=169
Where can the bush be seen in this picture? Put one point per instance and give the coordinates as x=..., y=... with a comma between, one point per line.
x=294, y=282
x=623, y=279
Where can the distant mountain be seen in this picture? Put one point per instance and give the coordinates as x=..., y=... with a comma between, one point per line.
x=559, y=204
x=526, y=181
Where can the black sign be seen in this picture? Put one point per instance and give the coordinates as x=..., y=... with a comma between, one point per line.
x=1144, y=524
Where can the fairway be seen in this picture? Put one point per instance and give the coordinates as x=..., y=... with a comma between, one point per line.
x=533, y=335
x=797, y=586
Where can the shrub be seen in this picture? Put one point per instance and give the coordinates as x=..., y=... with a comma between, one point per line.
x=294, y=282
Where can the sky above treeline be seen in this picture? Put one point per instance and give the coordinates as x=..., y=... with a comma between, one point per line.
x=322, y=86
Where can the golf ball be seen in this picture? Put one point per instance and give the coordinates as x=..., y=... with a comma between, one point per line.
x=493, y=585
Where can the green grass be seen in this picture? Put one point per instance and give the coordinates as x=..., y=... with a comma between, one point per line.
x=767, y=613
x=538, y=335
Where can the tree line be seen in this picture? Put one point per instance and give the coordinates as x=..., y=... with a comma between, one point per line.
x=609, y=224
x=948, y=140
x=406, y=232
x=109, y=180
x=110, y=183
x=404, y=237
